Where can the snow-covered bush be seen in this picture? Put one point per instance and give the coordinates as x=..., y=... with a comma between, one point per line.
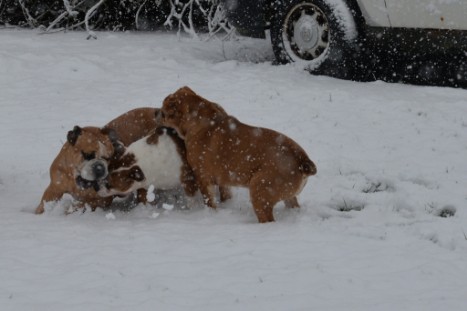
x=190, y=16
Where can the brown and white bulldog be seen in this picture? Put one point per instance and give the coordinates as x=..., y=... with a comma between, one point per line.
x=84, y=158
x=225, y=152
x=155, y=162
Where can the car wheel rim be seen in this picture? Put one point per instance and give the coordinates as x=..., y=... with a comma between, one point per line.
x=306, y=32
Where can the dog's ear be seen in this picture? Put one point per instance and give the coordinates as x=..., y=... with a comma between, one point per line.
x=111, y=133
x=185, y=91
x=136, y=173
x=158, y=115
x=73, y=135
x=170, y=107
x=119, y=149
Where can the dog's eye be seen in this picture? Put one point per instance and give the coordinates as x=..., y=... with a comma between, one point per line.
x=88, y=156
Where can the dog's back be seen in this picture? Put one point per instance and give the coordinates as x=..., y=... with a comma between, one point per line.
x=228, y=146
x=134, y=124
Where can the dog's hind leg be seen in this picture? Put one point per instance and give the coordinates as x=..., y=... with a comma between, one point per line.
x=263, y=198
x=225, y=193
x=189, y=181
x=292, y=203
x=263, y=208
x=207, y=190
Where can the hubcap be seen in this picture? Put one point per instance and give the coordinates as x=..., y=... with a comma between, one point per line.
x=306, y=32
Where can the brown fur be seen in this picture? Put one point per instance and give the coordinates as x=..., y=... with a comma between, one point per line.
x=133, y=125
x=129, y=127
x=225, y=152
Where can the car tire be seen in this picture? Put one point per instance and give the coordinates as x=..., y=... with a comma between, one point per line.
x=313, y=32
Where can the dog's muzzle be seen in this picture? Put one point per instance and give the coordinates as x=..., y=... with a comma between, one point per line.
x=99, y=170
x=94, y=170
x=92, y=174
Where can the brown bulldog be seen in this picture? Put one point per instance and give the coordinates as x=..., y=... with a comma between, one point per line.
x=223, y=151
x=83, y=158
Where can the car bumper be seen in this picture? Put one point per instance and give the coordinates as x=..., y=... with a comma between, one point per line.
x=247, y=16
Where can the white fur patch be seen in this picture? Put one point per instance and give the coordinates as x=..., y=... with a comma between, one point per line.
x=160, y=163
x=302, y=185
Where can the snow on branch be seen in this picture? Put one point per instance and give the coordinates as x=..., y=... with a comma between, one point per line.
x=30, y=20
x=90, y=13
x=189, y=16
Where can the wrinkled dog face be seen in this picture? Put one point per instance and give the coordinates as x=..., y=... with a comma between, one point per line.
x=170, y=115
x=185, y=107
x=93, y=149
x=175, y=110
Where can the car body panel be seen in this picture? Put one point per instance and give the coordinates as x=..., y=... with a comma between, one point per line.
x=375, y=12
x=432, y=14
x=247, y=16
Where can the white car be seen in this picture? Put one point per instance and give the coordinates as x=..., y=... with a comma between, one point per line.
x=426, y=14
x=312, y=31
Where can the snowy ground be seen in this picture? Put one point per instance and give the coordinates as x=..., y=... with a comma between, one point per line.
x=391, y=160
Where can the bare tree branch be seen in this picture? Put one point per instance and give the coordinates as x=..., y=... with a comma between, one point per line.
x=187, y=15
x=90, y=13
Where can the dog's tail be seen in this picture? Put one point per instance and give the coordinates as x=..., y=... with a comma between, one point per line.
x=307, y=167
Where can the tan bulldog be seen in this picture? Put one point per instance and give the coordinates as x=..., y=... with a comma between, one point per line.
x=83, y=159
x=225, y=152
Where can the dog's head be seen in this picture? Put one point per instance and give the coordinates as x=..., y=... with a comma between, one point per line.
x=125, y=174
x=123, y=178
x=91, y=149
x=184, y=108
x=121, y=182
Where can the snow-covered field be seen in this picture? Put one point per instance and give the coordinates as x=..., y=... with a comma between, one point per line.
x=392, y=159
